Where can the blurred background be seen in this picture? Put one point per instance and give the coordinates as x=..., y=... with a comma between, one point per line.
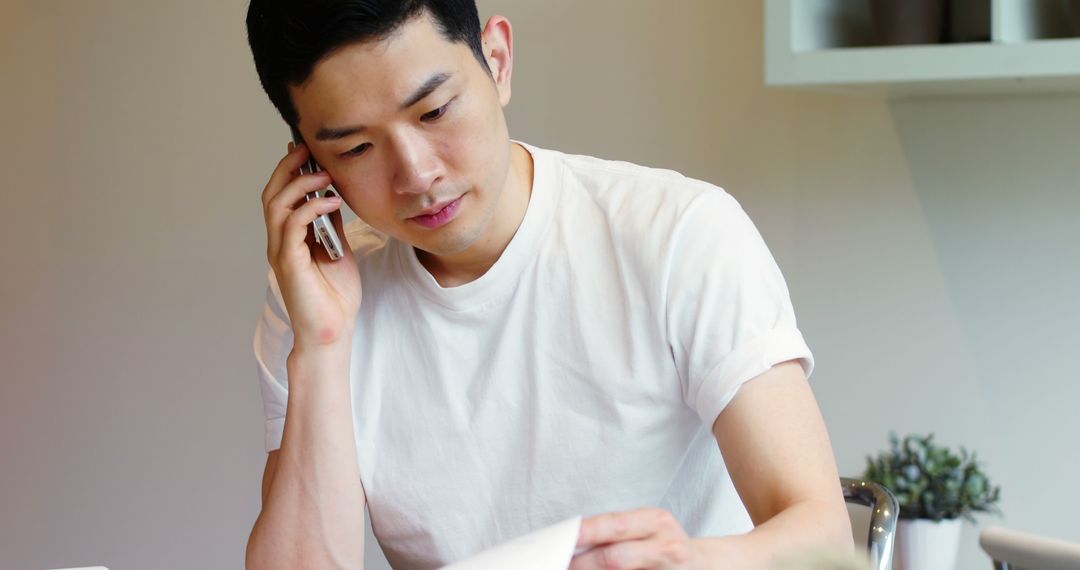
x=930, y=246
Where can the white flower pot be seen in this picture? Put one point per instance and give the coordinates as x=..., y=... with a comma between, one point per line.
x=927, y=545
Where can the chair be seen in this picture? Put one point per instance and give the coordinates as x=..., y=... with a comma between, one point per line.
x=884, y=511
x=1012, y=550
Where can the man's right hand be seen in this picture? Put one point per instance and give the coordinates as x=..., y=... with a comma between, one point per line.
x=313, y=499
x=321, y=296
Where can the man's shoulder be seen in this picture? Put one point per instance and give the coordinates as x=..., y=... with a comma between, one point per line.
x=647, y=201
x=644, y=214
x=612, y=175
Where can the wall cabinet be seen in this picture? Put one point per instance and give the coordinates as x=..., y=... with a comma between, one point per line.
x=996, y=46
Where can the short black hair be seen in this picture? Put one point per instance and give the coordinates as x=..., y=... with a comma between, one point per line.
x=289, y=37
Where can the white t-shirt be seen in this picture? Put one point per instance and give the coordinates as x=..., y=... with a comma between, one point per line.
x=580, y=375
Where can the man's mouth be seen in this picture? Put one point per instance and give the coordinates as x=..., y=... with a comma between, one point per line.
x=439, y=215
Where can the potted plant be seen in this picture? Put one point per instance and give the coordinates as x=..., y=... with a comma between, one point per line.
x=936, y=488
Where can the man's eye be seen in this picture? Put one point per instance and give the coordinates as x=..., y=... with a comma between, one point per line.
x=433, y=115
x=357, y=151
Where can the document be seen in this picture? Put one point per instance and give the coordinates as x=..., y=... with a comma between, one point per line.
x=549, y=548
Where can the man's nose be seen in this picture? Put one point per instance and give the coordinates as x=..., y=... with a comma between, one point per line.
x=418, y=166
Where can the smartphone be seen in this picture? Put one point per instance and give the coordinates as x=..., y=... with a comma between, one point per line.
x=322, y=226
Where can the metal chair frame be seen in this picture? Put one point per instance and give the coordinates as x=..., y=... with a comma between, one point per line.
x=884, y=512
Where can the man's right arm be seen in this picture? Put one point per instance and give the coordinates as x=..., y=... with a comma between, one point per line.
x=313, y=502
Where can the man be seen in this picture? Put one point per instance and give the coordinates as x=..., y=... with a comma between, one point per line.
x=519, y=335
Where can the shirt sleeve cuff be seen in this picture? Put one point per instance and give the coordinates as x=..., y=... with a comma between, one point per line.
x=747, y=362
x=275, y=428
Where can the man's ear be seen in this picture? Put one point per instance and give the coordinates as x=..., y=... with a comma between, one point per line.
x=498, y=44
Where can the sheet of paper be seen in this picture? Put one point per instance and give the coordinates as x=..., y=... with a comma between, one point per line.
x=549, y=548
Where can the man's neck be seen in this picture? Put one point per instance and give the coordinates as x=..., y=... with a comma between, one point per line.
x=471, y=264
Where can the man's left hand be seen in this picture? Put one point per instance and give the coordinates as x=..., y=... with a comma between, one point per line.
x=631, y=540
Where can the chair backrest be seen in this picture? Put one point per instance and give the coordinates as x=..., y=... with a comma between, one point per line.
x=1012, y=550
x=884, y=511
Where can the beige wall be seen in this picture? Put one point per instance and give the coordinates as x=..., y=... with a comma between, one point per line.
x=930, y=248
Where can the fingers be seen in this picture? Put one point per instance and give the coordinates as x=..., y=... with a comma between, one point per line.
x=295, y=228
x=292, y=195
x=287, y=169
x=654, y=553
x=279, y=202
x=646, y=538
x=618, y=527
x=643, y=538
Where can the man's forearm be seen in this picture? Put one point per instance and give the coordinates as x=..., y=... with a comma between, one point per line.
x=802, y=528
x=313, y=513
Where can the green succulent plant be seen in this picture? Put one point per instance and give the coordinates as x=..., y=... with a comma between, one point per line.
x=931, y=481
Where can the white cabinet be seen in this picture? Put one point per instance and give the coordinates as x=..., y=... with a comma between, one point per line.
x=1028, y=46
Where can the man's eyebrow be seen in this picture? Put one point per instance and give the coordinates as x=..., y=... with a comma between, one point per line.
x=426, y=89
x=429, y=86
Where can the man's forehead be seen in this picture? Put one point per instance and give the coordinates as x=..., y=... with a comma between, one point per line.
x=384, y=74
x=399, y=62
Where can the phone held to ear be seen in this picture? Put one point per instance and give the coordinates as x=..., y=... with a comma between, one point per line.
x=322, y=226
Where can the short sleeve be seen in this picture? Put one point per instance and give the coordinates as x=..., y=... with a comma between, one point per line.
x=273, y=343
x=729, y=315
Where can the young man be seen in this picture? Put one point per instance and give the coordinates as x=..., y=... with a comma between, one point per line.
x=539, y=335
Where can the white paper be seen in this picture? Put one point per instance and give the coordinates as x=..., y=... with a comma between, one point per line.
x=549, y=548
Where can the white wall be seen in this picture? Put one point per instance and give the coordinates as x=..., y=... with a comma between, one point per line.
x=930, y=248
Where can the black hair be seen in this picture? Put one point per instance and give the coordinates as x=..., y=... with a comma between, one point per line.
x=289, y=37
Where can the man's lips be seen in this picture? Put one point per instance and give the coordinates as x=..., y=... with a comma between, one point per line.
x=434, y=209
x=439, y=215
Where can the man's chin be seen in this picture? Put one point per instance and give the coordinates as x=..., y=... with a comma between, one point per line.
x=449, y=243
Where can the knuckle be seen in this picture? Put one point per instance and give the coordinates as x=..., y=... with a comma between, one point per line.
x=675, y=551
x=609, y=560
x=284, y=162
x=295, y=218
x=273, y=204
x=268, y=188
x=620, y=526
x=271, y=189
x=664, y=518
